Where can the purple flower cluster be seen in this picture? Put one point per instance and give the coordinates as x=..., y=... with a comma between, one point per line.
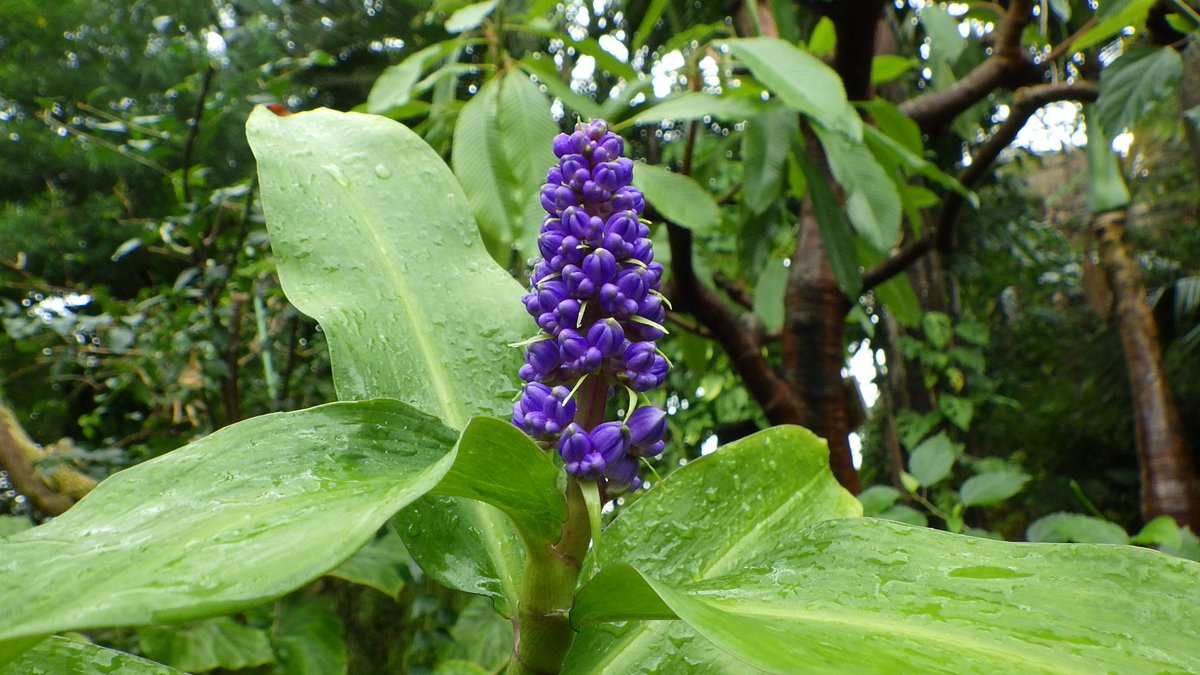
x=595, y=298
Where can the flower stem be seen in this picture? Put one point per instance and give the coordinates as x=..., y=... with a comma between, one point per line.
x=543, y=627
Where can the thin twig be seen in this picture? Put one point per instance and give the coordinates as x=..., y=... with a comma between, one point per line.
x=194, y=130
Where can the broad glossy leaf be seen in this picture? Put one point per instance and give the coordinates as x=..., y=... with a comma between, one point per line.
x=375, y=240
x=872, y=201
x=801, y=80
x=882, y=597
x=413, y=306
x=677, y=197
x=765, y=148
x=241, y=516
x=694, y=105
x=60, y=655
x=1077, y=527
x=991, y=487
x=1132, y=85
x=705, y=520
x=207, y=645
x=498, y=464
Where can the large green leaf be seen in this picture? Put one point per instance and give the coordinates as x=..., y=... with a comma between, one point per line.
x=412, y=305
x=380, y=564
x=308, y=636
x=677, y=197
x=881, y=597
x=241, y=516
x=1134, y=83
x=765, y=146
x=374, y=239
x=801, y=80
x=60, y=655
x=708, y=519
x=528, y=130
x=480, y=164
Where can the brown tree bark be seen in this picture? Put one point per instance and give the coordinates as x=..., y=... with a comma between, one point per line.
x=1168, y=475
x=51, y=493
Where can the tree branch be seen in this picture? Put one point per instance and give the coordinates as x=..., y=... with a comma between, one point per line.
x=1025, y=103
x=18, y=454
x=1009, y=66
x=194, y=130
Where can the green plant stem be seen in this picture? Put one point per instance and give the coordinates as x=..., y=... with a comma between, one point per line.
x=543, y=628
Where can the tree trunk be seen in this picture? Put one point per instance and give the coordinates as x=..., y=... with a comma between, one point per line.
x=813, y=356
x=1168, y=475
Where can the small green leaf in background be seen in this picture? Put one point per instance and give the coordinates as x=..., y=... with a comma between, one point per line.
x=945, y=42
x=765, y=156
x=470, y=17
x=887, y=67
x=1113, y=17
x=933, y=458
x=546, y=73
x=1062, y=8
x=1161, y=531
x=308, y=636
x=239, y=517
x=878, y=498
x=694, y=105
x=528, y=129
x=395, y=86
x=872, y=201
x=938, y=329
x=768, y=294
x=902, y=513
x=677, y=197
x=992, y=487
x=1077, y=527
x=834, y=227
x=56, y=655
x=800, y=80
x=480, y=636
x=207, y=645
x=925, y=601
x=1131, y=85
x=957, y=409
x=1107, y=190
x=380, y=564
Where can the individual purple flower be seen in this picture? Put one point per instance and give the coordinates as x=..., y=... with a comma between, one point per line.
x=594, y=295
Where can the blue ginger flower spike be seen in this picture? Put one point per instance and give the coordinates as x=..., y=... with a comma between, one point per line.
x=595, y=298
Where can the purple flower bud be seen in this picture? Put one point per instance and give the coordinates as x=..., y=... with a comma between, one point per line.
x=605, y=175
x=614, y=302
x=579, y=180
x=572, y=164
x=610, y=440
x=600, y=266
x=541, y=359
x=622, y=476
x=551, y=292
x=555, y=198
x=542, y=412
x=624, y=169
x=647, y=426
x=595, y=129
x=549, y=243
x=540, y=271
x=578, y=284
x=652, y=450
x=577, y=353
x=643, y=250
x=614, y=144
x=632, y=283
x=563, y=145
x=606, y=336
x=593, y=192
x=645, y=368
x=554, y=176
x=628, y=198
